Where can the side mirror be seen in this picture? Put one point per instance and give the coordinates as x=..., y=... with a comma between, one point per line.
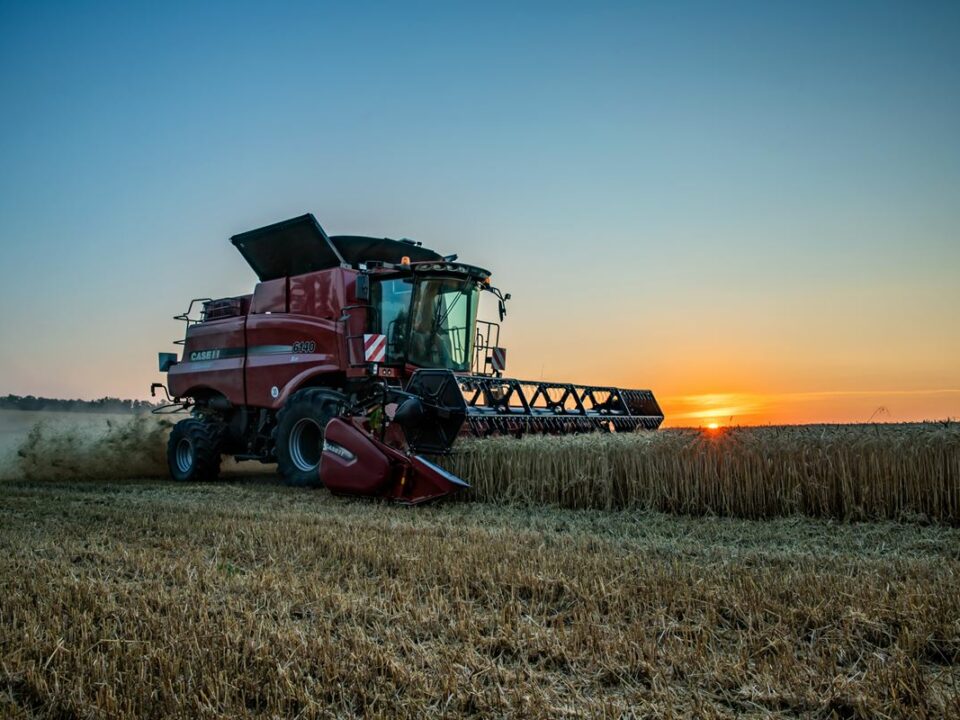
x=363, y=287
x=166, y=361
x=503, y=310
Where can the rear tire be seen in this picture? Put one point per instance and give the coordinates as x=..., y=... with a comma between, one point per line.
x=193, y=451
x=299, y=435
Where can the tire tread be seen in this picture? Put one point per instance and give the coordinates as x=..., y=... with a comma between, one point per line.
x=207, y=439
x=321, y=403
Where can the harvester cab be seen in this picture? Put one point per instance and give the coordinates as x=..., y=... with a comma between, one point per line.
x=425, y=315
x=352, y=360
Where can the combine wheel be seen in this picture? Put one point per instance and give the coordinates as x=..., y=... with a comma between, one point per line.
x=299, y=434
x=193, y=451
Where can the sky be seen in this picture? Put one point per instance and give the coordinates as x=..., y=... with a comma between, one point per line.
x=752, y=209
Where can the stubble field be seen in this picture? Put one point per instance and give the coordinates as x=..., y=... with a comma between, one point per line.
x=144, y=598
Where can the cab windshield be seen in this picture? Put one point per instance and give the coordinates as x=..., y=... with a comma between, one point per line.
x=442, y=320
x=431, y=322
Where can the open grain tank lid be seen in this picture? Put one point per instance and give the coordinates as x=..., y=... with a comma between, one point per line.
x=291, y=247
x=300, y=245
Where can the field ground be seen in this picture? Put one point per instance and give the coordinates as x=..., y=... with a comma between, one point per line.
x=151, y=599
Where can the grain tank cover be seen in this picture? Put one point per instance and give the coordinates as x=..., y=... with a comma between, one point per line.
x=356, y=249
x=291, y=247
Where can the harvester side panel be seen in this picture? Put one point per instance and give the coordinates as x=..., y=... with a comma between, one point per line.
x=300, y=339
x=269, y=296
x=213, y=361
x=284, y=352
x=295, y=334
x=319, y=294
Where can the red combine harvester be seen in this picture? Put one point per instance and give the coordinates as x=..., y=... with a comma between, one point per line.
x=353, y=359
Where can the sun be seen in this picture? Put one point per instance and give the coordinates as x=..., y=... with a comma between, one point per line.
x=713, y=426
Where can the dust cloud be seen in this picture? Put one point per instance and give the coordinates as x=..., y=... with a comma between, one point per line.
x=48, y=445
x=75, y=446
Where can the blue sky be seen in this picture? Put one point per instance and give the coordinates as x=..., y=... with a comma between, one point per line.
x=696, y=197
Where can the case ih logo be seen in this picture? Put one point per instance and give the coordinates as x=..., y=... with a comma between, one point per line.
x=374, y=348
x=205, y=355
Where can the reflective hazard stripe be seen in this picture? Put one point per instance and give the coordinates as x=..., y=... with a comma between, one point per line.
x=374, y=348
x=498, y=359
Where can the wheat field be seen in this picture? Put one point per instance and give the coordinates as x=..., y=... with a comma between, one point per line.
x=243, y=599
x=896, y=471
x=847, y=472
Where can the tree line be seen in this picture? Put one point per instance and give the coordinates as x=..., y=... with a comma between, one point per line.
x=103, y=405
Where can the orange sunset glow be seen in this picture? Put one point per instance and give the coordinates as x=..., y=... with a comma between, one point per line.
x=722, y=409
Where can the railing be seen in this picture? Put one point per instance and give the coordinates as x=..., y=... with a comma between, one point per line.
x=221, y=309
x=488, y=338
x=190, y=321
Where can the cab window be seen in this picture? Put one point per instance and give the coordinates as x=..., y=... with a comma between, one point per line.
x=391, y=307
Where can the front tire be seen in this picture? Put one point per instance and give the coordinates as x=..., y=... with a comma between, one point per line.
x=193, y=451
x=299, y=435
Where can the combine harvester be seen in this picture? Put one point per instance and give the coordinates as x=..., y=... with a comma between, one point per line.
x=353, y=358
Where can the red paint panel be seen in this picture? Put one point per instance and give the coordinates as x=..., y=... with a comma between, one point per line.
x=354, y=462
x=293, y=334
x=201, y=367
x=284, y=351
x=318, y=294
x=360, y=468
x=270, y=296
